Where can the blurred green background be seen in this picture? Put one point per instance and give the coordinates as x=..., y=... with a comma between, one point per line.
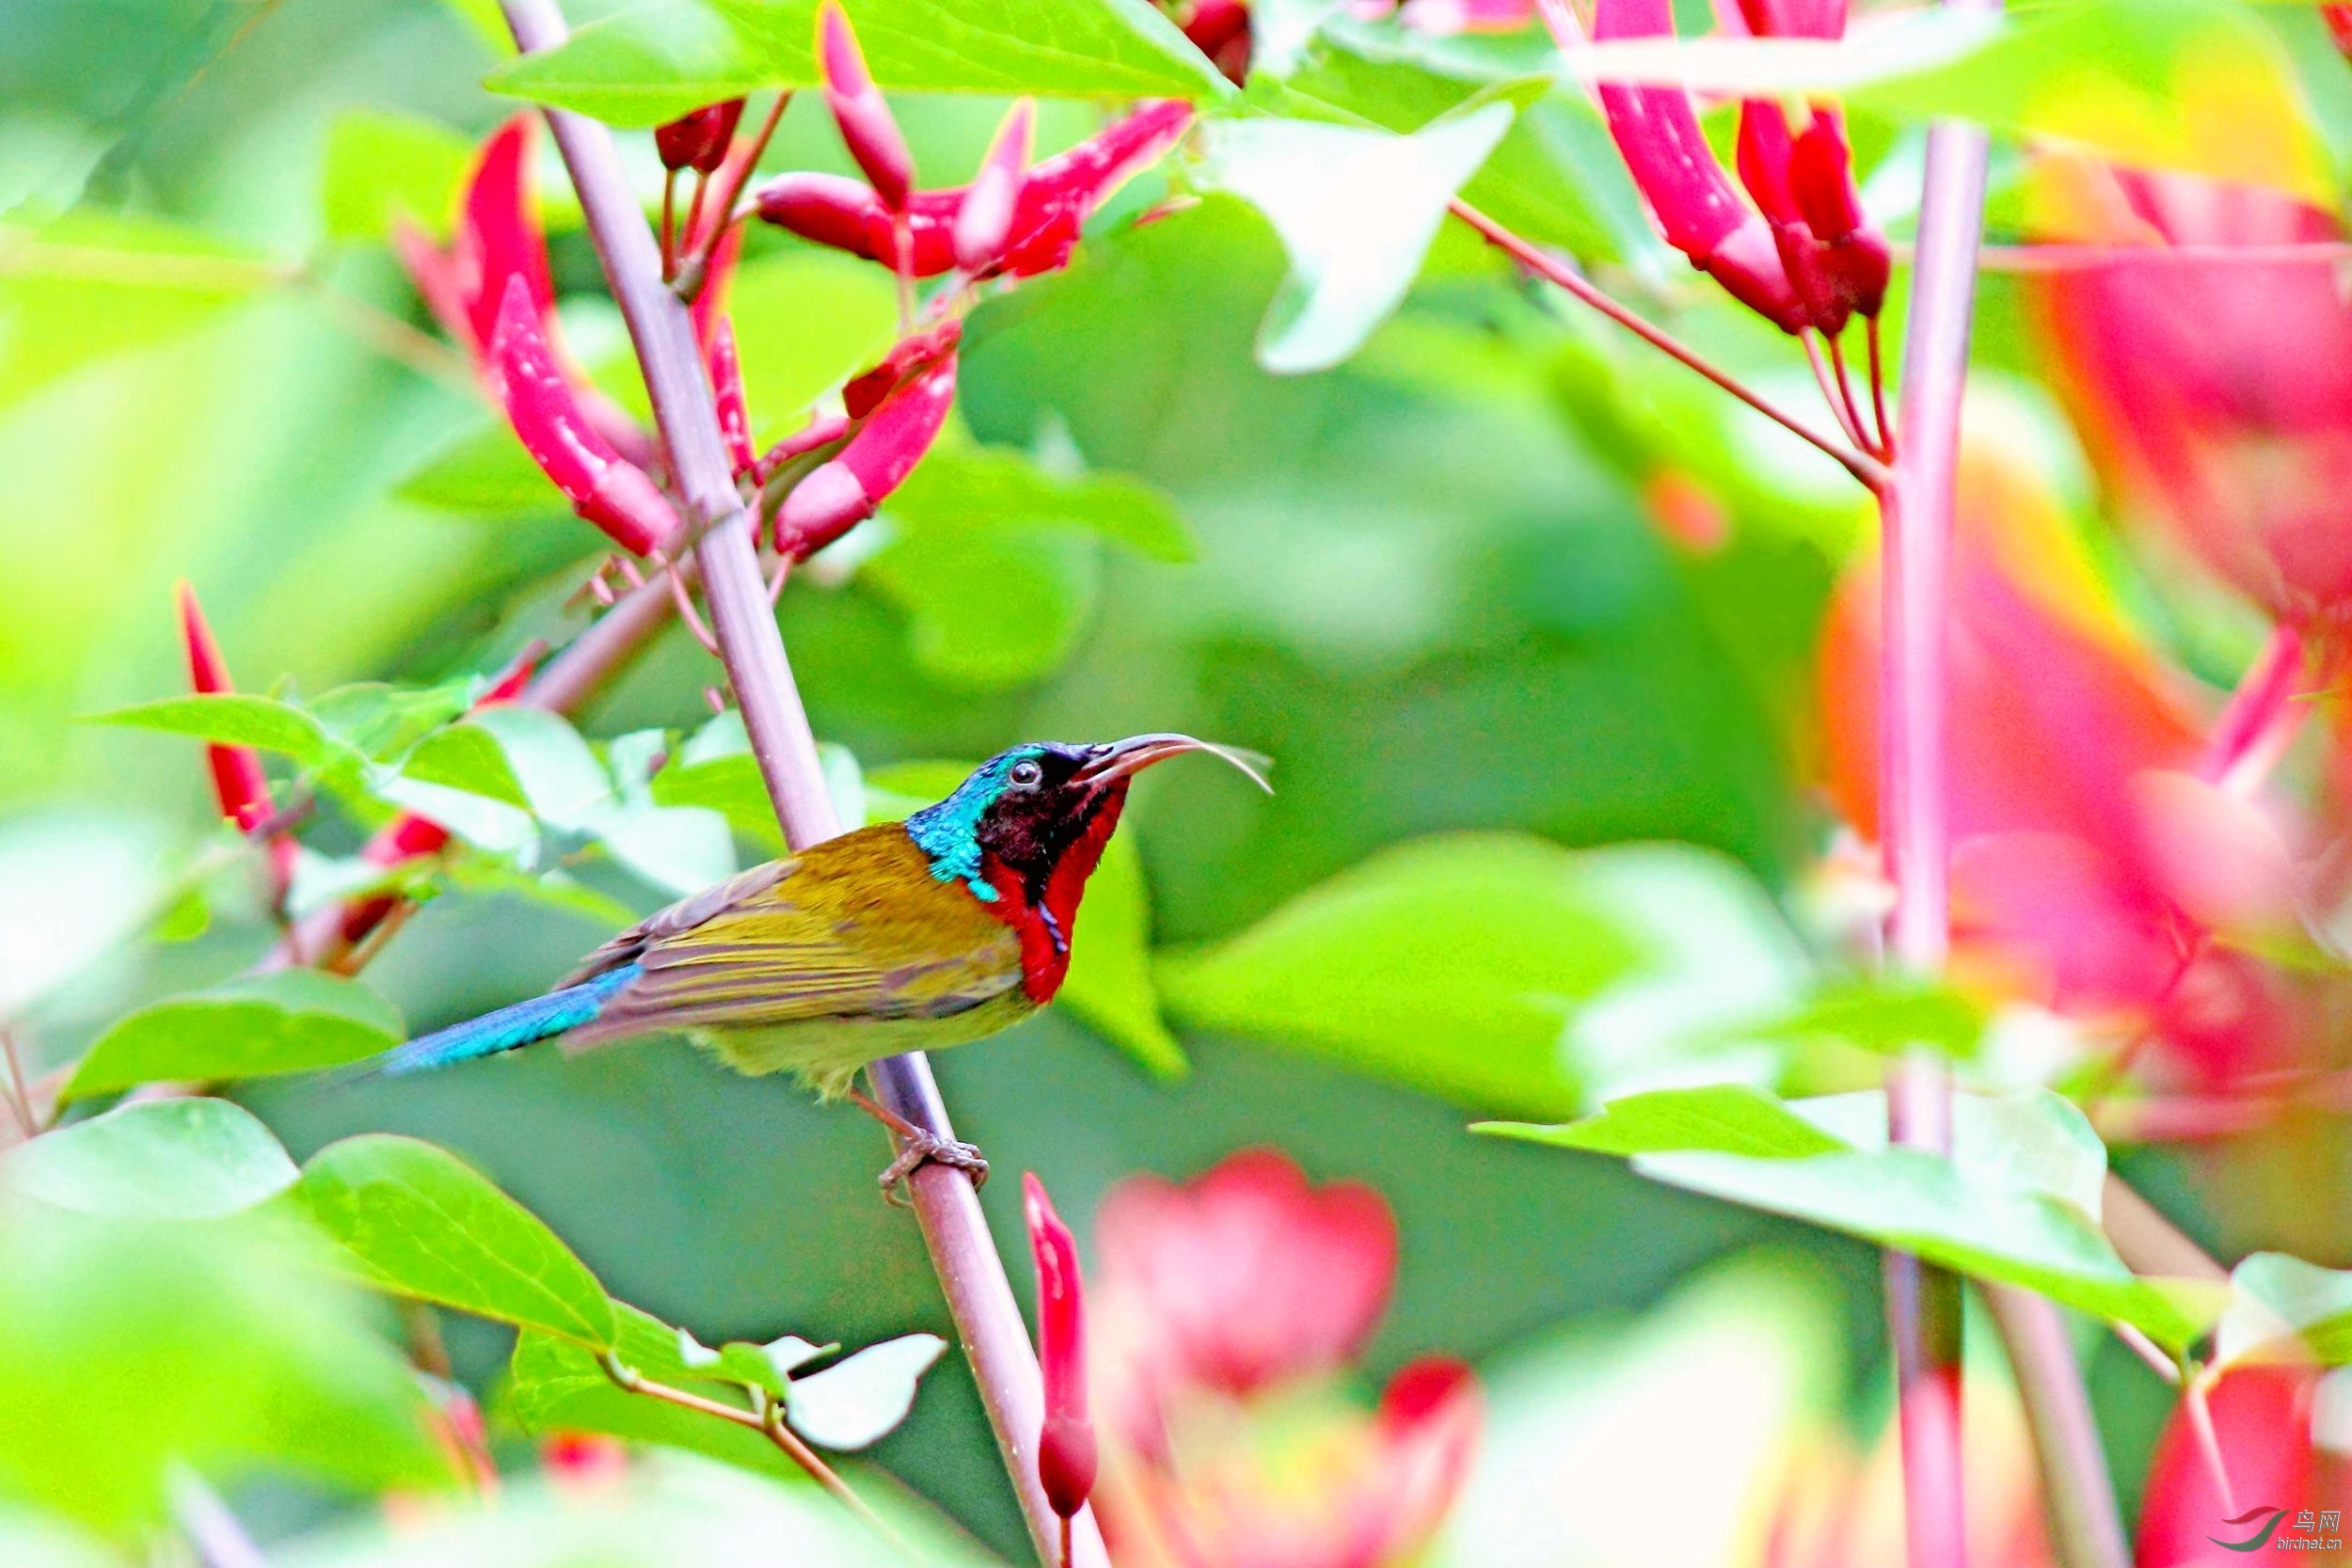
x=1426, y=583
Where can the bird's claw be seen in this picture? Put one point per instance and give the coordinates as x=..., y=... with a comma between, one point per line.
x=929, y=1148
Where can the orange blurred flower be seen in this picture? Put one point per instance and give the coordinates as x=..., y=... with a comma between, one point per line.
x=1227, y=1311
x=2091, y=854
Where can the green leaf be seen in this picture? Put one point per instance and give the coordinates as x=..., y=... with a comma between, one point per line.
x=236, y=718
x=1555, y=178
x=1726, y=1119
x=417, y=1221
x=857, y=1400
x=468, y=758
x=1506, y=973
x=1882, y=1014
x=655, y=61
x=2017, y=1202
x=961, y=481
x=130, y=1348
x=1356, y=210
x=553, y=1385
x=556, y=771
x=292, y=1021
x=166, y=1159
x=805, y=322
x=382, y=166
x=90, y=286
x=1109, y=984
x=988, y=604
x=481, y=472
x=2285, y=1309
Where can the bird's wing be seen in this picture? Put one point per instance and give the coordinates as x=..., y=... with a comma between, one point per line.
x=837, y=933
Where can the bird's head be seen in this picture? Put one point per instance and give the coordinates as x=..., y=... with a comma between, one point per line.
x=1028, y=828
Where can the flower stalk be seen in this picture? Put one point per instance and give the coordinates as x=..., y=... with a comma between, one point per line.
x=971, y=1273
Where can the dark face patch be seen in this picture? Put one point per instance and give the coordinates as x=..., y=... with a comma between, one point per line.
x=1040, y=811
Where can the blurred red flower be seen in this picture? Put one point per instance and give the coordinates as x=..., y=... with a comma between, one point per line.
x=2215, y=395
x=2262, y=1423
x=2091, y=856
x=1227, y=1312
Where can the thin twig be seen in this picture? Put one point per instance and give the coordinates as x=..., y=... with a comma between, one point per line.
x=2208, y=1441
x=218, y=1539
x=1875, y=444
x=2085, y=1524
x=2150, y=1352
x=768, y=1420
x=1839, y=409
x=394, y=339
x=1861, y=465
x=963, y=1253
x=19, y=1095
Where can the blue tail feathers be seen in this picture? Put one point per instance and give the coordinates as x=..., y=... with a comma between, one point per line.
x=507, y=1028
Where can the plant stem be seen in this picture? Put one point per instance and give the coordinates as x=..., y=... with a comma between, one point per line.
x=2260, y=718
x=768, y=1420
x=2149, y=1242
x=1863, y=466
x=971, y=1273
x=219, y=1541
x=1916, y=507
x=2085, y=1526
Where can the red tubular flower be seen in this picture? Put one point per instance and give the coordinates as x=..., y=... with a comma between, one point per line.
x=604, y=487
x=499, y=238
x=864, y=391
x=877, y=459
x=983, y=223
x=1656, y=132
x=2262, y=1422
x=699, y=140
x=1065, y=1449
x=239, y=784
x=2213, y=396
x=1220, y=31
x=1227, y=1311
x=1057, y=196
x=726, y=386
x=867, y=127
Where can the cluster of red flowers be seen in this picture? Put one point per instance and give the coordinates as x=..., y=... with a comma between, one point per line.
x=1227, y=1312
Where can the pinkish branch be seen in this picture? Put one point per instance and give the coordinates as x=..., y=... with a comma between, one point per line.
x=971, y=1274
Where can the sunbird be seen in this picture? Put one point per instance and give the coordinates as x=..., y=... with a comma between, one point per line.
x=902, y=935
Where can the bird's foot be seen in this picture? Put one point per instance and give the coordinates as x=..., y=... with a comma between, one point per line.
x=922, y=1149
x=919, y=1147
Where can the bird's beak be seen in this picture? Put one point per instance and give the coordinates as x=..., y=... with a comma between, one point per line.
x=1116, y=759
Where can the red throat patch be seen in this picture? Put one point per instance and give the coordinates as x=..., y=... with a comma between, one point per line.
x=1044, y=961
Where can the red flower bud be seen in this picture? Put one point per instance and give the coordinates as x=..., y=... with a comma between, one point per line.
x=822, y=430
x=499, y=237
x=603, y=487
x=984, y=218
x=238, y=782
x=1657, y=130
x=867, y=127
x=862, y=392
x=699, y=141
x=1794, y=19
x=1056, y=197
x=1065, y=1449
x=877, y=459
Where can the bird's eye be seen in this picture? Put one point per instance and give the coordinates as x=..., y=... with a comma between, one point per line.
x=1025, y=775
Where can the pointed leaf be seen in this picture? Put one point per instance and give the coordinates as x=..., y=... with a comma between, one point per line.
x=166, y=1159
x=1725, y=1119
x=292, y=1021
x=2285, y=1309
x=858, y=1399
x=415, y=1220
x=1356, y=210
